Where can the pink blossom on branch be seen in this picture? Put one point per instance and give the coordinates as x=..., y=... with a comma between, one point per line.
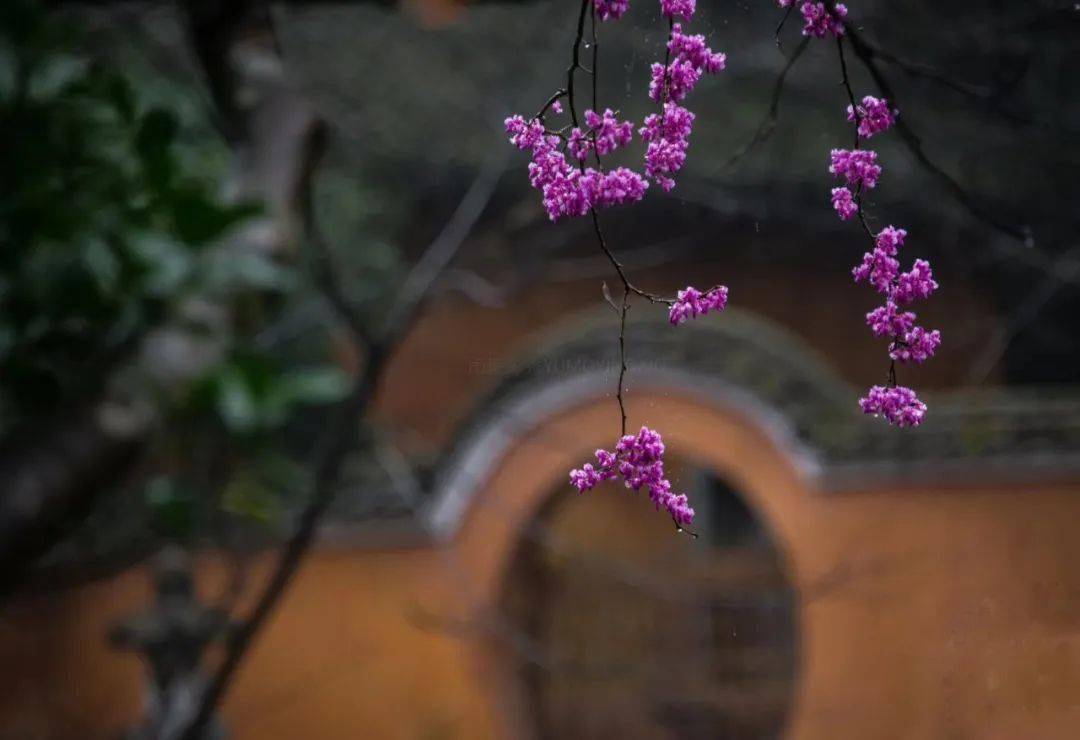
x=856, y=166
x=889, y=321
x=610, y=133
x=693, y=49
x=673, y=81
x=890, y=239
x=667, y=136
x=917, y=345
x=874, y=114
x=691, y=303
x=915, y=284
x=819, y=21
x=611, y=9
x=844, y=203
x=897, y=405
x=639, y=460
x=567, y=190
x=678, y=8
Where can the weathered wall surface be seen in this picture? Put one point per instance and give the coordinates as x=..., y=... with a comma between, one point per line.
x=926, y=613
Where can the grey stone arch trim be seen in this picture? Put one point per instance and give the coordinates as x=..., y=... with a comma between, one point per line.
x=744, y=362
x=737, y=361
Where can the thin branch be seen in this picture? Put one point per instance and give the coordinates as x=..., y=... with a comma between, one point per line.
x=341, y=432
x=973, y=92
x=445, y=247
x=780, y=25
x=1065, y=269
x=866, y=55
x=768, y=123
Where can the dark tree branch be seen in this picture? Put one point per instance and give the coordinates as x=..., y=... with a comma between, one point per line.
x=341, y=434
x=767, y=126
x=973, y=205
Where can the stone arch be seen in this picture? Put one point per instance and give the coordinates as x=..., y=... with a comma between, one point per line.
x=742, y=399
x=747, y=366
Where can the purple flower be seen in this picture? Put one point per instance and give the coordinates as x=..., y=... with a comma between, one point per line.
x=565, y=189
x=888, y=321
x=694, y=50
x=639, y=460
x=856, y=166
x=679, y=77
x=578, y=144
x=614, y=188
x=917, y=345
x=820, y=21
x=878, y=268
x=666, y=136
x=917, y=283
x=611, y=9
x=526, y=135
x=691, y=303
x=843, y=203
x=690, y=58
x=678, y=8
x=898, y=405
x=890, y=239
x=874, y=114
x=609, y=132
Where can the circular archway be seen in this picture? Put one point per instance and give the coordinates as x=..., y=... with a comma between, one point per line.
x=626, y=631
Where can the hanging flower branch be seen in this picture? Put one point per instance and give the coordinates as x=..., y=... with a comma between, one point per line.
x=567, y=169
x=880, y=268
x=571, y=188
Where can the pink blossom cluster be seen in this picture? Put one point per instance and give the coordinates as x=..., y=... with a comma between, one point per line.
x=844, y=203
x=611, y=9
x=819, y=21
x=678, y=8
x=692, y=48
x=566, y=190
x=881, y=270
x=667, y=136
x=897, y=404
x=667, y=133
x=690, y=59
x=910, y=343
x=639, y=460
x=858, y=167
x=874, y=116
x=606, y=133
x=691, y=303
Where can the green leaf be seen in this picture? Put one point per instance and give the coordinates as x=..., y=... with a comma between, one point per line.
x=233, y=271
x=246, y=495
x=200, y=219
x=172, y=506
x=317, y=385
x=118, y=90
x=166, y=262
x=235, y=402
x=102, y=263
x=153, y=142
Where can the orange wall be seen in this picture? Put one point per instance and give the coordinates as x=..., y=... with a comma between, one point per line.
x=926, y=613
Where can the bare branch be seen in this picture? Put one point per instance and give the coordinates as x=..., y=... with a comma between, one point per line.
x=768, y=123
x=445, y=247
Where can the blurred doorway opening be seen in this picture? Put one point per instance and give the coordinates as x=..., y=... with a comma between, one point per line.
x=624, y=629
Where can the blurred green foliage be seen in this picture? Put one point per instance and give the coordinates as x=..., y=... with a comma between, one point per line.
x=110, y=219
x=100, y=224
